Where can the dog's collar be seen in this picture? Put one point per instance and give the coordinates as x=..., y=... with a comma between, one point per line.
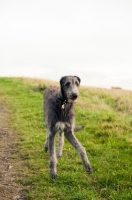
x=63, y=104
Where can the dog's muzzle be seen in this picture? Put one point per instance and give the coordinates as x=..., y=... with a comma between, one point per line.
x=73, y=97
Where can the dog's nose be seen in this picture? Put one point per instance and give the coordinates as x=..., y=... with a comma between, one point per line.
x=74, y=95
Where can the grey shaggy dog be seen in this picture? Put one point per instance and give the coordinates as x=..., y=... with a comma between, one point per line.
x=60, y=117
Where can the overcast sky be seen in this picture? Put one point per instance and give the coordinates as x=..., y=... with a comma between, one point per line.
x=52, y=38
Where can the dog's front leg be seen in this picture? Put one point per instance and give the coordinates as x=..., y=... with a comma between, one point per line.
x=61, y=144
x=81, y=150
x=52, y=153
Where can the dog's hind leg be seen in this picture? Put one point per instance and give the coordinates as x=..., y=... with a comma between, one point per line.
x=81, y=150
x=61, y=144
x=46, y=144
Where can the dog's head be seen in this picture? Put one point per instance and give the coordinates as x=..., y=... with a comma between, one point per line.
x=69, y=87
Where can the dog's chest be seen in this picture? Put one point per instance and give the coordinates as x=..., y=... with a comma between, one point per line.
x=60, y=126
x=64, y=112
x=65, y=115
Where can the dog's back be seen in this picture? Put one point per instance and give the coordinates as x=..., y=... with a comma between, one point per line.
x=50, y=98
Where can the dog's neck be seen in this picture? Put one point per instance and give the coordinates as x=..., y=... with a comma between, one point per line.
x=64, y=100
x=63, y=104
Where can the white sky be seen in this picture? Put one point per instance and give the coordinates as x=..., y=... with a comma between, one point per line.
x=52, y=38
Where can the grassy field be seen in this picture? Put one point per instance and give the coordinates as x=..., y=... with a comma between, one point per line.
x=107, y=137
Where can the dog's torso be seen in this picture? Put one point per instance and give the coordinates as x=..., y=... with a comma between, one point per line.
x=58, y=113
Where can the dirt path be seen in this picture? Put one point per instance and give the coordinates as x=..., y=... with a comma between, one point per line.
x=10, y=164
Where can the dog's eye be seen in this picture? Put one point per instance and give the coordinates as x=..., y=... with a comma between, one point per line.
x=77, y=83
x=67, y=84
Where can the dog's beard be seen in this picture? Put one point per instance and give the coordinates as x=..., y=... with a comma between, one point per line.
x=72, y=100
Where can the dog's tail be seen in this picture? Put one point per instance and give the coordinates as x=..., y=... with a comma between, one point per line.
x=78, y=128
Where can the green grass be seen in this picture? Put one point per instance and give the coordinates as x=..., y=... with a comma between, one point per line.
x=107, y=137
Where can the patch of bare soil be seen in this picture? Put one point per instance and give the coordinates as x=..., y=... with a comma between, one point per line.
x=10, y=165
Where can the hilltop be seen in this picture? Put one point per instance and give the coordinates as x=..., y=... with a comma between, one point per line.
x=107, y=136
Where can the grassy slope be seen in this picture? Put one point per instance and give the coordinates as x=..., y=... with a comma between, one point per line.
x=107, y=137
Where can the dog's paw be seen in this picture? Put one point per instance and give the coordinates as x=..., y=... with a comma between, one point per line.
x=59, y=155
x=46, y=149
x=89, y=169
x=53, y=175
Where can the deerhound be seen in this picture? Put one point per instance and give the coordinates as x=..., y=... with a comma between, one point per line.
x=60, y=117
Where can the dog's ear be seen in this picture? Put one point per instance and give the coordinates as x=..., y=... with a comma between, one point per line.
x=62, y=81
x=79, y=80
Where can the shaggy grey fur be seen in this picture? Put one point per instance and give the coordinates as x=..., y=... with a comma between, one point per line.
x=60, y=117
